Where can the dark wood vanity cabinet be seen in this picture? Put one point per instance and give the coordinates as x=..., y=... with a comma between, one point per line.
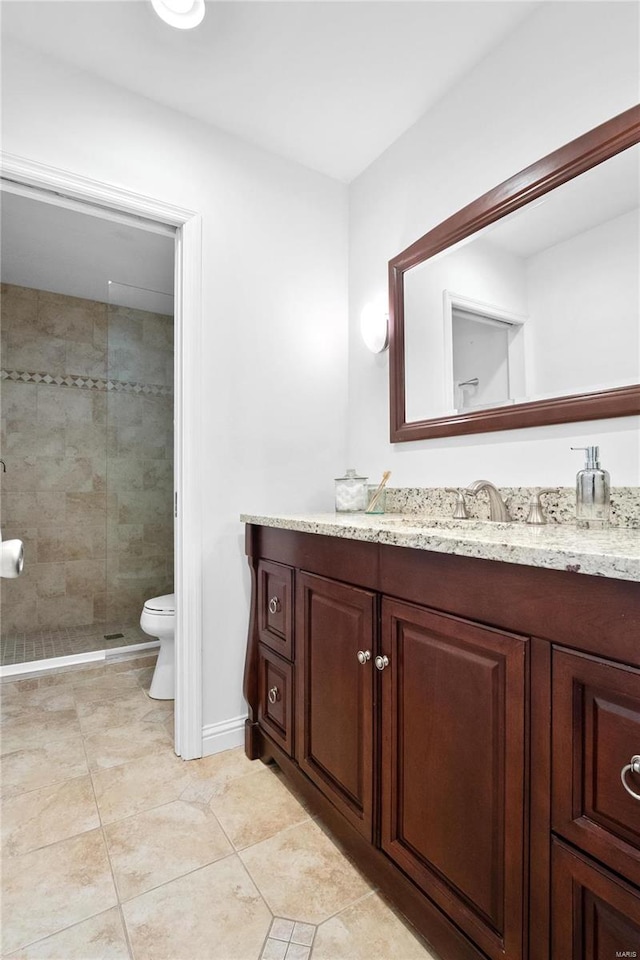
x=335, y=625
x=453, y=767
x=275, y=607
x=461, y=726
x=596, y=731
x=596, y=914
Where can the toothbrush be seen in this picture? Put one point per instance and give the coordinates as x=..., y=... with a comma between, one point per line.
x=378, y=493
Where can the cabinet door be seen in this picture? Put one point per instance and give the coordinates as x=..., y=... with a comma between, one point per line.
x=596, y=732
x=453, y=768
x=595, y=915
x=334, y=720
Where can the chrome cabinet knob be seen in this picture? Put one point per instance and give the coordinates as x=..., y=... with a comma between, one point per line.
x=364, y=655
x=274, y=605
x=381, y=662
x=633, y=767
x=274, y=695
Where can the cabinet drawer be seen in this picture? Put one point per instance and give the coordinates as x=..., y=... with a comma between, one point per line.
x=275, y=707
x=594, y=915
x=275, y=607
x=596, y=732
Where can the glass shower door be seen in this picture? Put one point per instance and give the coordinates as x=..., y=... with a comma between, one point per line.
x=139, y=457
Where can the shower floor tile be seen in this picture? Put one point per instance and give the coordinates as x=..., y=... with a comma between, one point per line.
x=67, y=641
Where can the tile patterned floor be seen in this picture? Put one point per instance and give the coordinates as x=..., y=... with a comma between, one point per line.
x=65, y=641
x=115, y=849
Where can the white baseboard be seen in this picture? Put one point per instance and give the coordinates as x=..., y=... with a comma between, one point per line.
x=224, y=735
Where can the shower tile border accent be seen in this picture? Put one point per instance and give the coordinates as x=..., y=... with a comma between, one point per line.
x=86, y=383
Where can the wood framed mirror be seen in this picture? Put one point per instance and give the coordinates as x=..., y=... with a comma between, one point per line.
x=522, y=309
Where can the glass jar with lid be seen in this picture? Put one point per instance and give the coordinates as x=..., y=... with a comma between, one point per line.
x=351, y=493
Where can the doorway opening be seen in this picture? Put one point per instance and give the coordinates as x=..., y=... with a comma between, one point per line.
x=484, y=355
x=115, y=423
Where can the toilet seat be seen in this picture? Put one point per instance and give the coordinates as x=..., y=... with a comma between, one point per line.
x=162, y=606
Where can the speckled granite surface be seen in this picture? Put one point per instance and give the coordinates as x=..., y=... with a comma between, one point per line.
x=614, y=552
x=559, y=507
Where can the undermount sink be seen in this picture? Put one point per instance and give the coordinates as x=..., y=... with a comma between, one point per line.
x=441, y=523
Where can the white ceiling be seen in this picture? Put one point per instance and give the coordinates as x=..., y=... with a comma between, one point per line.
x=47, y=247
x=328, y=84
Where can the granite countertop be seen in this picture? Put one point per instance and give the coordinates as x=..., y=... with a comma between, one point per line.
x=614, y=552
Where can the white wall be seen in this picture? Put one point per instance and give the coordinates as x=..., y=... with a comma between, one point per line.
x=584, y=304
x=274, y=294
x=567, y=68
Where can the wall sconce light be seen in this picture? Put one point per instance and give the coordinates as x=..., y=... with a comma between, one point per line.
x=374, y=327
x=183, y=14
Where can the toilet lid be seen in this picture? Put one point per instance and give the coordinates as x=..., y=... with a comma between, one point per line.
x=165, y=605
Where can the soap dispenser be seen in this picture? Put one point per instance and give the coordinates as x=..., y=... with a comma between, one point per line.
x=592, y=491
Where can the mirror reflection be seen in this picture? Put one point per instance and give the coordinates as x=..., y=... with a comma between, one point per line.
x=543, y=303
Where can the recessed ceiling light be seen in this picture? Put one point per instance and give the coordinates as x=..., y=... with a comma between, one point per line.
x=183, y=14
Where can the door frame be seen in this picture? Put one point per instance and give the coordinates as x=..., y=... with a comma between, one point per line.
x=30, y=178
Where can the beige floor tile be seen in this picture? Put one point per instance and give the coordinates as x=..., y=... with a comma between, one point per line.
x=44, y=816
x=118, y=745
x=255, y=807
x=49, y=889
x=27, y=770
x=228, y=919
x=313, y=879
x=210, y=775
x=134, y=664
x=18, y=704
x=144, y=677
x=34, y=730
x=100, y=938
x=104, y=687
x=368, y=930
x=162, y=844
x=133, y=787
x=70, y=676
x=17, y=686
x=100, y=715
x=293, y=790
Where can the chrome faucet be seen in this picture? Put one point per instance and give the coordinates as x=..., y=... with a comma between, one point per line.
x=497, y=506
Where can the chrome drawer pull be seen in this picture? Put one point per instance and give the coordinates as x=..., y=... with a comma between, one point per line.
x=274, y=605
x=634, y=767
x=274, y=695
x=381, y=662
x=364, y=655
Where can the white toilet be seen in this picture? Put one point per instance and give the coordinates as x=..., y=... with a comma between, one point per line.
x=158, y=619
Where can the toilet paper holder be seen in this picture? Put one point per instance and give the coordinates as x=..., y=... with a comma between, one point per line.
x=11, y=558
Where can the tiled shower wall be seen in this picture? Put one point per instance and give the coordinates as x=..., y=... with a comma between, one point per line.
x=87, y=421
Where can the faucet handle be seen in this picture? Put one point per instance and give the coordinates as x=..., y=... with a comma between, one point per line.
x=460, y=511
x=536, y=513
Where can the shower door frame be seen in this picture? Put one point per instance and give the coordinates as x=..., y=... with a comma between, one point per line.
x=63, y=187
